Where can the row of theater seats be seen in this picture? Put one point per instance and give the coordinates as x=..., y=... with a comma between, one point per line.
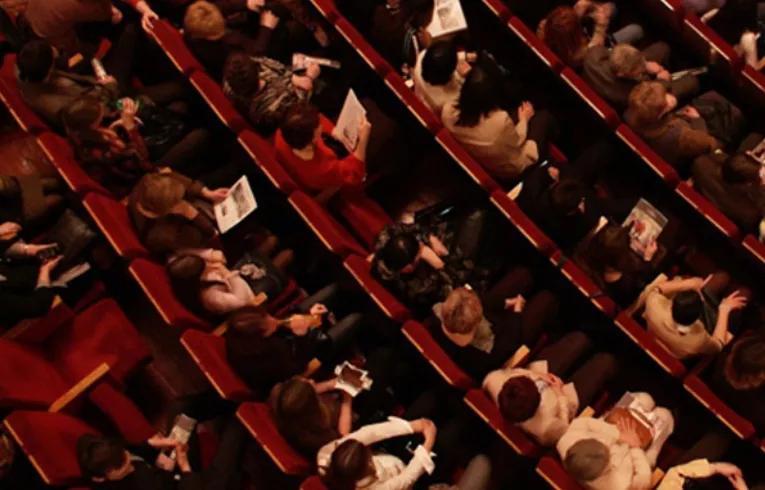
x=700, y=38
x=419, y=336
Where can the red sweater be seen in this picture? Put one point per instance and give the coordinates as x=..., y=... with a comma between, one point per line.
x=325, y=170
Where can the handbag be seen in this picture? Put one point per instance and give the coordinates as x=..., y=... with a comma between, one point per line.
x=724, y=120
x=72, y=235
x=266, y=279
x=161, y=129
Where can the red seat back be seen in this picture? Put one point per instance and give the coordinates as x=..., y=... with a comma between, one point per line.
x=520, y=29
x=499, y=9
x=418, y=108
x=646, y=153
x=392, y=307
x=588, y=95
x=419, y=336
x=709, y=211
x=735, y=422
x=588, y=288
x=59, y=152
x=362, y=47
x=262, y=152
x=212, y=93
x=209, y=353
x=466, y=161
x=648, y=343
x=27, y=379
x=111, y=217
x=171, y=41
x=313, y=483
x=485, y=408
x=553, y=473
x=524, y=224
x=331, y=233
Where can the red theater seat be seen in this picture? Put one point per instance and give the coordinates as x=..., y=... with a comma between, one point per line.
x=648, y=343
x=588, y=288
x=59, y=152
x=553, y=473
x=485, y=408
x=524, y=224
x=755, y=247
x=172, y=42
x=422, y=112
x=499, y=9
x=360, y=270
x=362, y=47
x=466, y=161
x=587, y=94
x=111, y=217
x=25, y=117
x=419, y=336
x=532, y=41
x=363, y=214
x=701, y=38
x=28, y=380
x=709, y=211
x=209, y=353
x=735, y=422
x=256, y=417
x=646, y=153
x=331, y=233
x=327, y=9
x=262, y=152
x=153, y=279
x=313, y=483
x=211, y=92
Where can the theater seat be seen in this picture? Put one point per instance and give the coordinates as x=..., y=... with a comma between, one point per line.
x=27, y=379
x=212, y=93
x=209, y=353
x=25, y=117
x=671, y=12
x=172, y=43
x=466, y=161
x=524, y=224
x=392, y=307
x=313, y=483
x=153, y=279
x=709, y=211
x=755, y=247
x=422, y=112
x=701, y=38
x=59, y=152
x=739, y=425
x=363, y=214
x=646, y=153
x=419, y=336
x=648, y=343
x=588, y=95
x=362, y=47
x=331, y=233
x=111, y=217
x=530, y=39
x=256, y=417
x=327, y=9
x=485, y=408
x=499, y=9
x=588, y=288
x=551, y=470
x=752, y=85
x=263, y=154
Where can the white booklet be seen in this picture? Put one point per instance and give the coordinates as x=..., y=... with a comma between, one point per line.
x=448, y=18
x=352, y=379
x=347, y=128
x=645, y=223
x=300, y=61
x=239, y=203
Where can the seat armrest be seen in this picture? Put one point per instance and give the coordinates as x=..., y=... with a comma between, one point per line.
x=79, y=388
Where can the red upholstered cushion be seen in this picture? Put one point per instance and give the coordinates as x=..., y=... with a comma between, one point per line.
x=113, y=220
x=331, y=233
x=523, y=223
x=123, y=413
x=27, y=379
x=256, y=417
x=101, y=333
x=360, y=270
x=363, y=214
x=25, y=117
x=171, y=41
x=313, y=483
x=59, y=152
x=420, y=337
x=209, y=353
x=50, y=441
x=211, y=91
x=485, y=408
x=649, y=344
x=262, y=152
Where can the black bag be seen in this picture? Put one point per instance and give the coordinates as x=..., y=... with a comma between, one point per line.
x=72, y=235
x=269, y=279
x=162, y=128
x=724, y=120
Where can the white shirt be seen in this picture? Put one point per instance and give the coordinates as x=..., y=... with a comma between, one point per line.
x=436, y=96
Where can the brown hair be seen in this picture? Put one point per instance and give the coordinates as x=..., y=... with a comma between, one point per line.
x=564, y=35
x=159, y=193
x=626, y=59
x=299, y=125
x=251, y=320
x=646, y=103
x=519, y=399
x=745, y=363
x=351, y=461
x=462, y=311
x=204, y=20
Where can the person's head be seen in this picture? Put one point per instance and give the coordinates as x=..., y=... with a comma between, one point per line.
x=159, y=193
x=401, y=252
x=36, y=61
x=609, y=247
x=586, y=459
x=242, y=74
x=300, y=126
x=253, y=321
x=745, y=363
x=297, y=401
x=461, y=312
x=103, y=459
x=351, y=461
x=83, y=114
x=479, y=96
x=741, y=169
x=204, y=20
x=518, y=399
x=567, y=197
x=627, y=62
x=564, y=35
x=439, y=62
x=648, y=102
x=687, y=307
x=185, y=272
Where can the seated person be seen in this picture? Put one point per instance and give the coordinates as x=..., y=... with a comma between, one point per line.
x=614, y=73
x=537, y=399
x=503, y=146
x=110, y=464
x=482, y=332
x=209, y=38
x=739, y=23
x=688, y=316
x=398, y=31
x=611, y=452
x=439, y=74
x=265, y=350
x=678, y=136
x=311, y=414
x=738, y=377
x=349, y=462
x=264, y=89
x=57, y=22
x=165, y=209
x=735, y=184
x=614, y=265
x=200, y=277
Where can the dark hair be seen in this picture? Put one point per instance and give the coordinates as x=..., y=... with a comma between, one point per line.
x=242, y=74
x=299, y=125
x=519, y=399
x=439, y=62
x=82, y=114
x=185, y=272
x=566, y=195
x=350, y=462
x=98, y=455
x=400, y=251
x=479, y=96
x=564, y=34
x=251, y=320
x=741, y=169
x=733, y=18
x=687, y=307
x=745, y=363
x=714, y=482
x=610, y=247
x=35, y=61
x=298, y=410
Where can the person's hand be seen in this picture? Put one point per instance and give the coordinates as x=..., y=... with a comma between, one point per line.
x=161, y=442
x=300, y=324
x=9, y=230
x=34, y=248
x=554, y=173
x=116, y=15
x=182, y=457
x=653, y=67
x=732, y=473
x=318, y=309
x=365, y=128
x=518, y=303
x=463, y=68
x=312, y=70
x=664, y=75
x=49, y=265
x=732, y=302
x=128, y=113
x=427, y=428
x=690, y=112
x=255, y=5
x=148, y=18
x=431, y=257
x=438, y=246
x=525, y=111
x=268, y=19
x=108, y=79
x=650, y=250
x=216, y=195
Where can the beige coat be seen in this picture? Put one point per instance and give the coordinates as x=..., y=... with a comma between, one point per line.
x=436, y=96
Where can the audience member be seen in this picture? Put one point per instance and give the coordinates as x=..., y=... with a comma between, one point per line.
x=482, y=332
x=611, y=453
x=538, y=400
x=439, y=75
x=614, y=73
x=398, y=30
x=503, y=146
x=689, y=316
x=739, y=23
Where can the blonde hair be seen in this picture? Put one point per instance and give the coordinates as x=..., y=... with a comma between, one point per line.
x=646, y=103
x=627, y=60
x=462, y=311
x=204, y=20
